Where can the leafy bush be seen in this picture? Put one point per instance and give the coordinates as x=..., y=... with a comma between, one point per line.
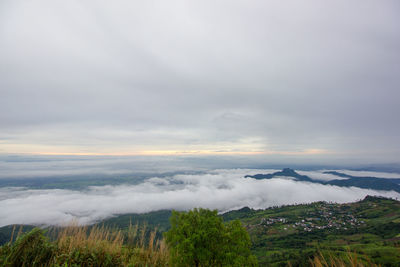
x=200, y=238
x=31, y=249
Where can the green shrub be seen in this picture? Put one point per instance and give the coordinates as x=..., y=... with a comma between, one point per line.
x=200, y=238
x=31, y=249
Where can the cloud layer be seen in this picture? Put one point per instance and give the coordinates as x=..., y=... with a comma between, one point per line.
x=131, y=77
x=220, y=189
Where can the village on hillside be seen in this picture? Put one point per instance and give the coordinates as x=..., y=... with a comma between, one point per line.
x=324, y=216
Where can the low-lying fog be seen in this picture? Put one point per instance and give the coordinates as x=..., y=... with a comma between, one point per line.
x=222, y=189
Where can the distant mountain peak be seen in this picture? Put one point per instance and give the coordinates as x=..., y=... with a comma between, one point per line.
x=289, y=171
x=361, y=182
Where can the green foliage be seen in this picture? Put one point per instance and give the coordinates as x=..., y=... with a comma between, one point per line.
x=31, y=249
x=376, y=240
x=12, y=231
x=276, y=244
x=79, y=246
x=200, y=238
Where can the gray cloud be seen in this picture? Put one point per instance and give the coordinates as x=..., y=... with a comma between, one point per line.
x=220, y=189
x=321, y=176
x=93, y=167
x=101, y=76
x=370, y=174
x=53, y=167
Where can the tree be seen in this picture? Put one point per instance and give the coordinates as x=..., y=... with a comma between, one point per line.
x=200, y=238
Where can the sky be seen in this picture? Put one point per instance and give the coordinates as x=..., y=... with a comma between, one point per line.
x=281, y=79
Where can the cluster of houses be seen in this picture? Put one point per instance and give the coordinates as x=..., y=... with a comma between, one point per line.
x=310, y=224
x=269, y=221
x=323, y=218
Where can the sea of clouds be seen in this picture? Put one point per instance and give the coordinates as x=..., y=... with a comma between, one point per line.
x=223, y=189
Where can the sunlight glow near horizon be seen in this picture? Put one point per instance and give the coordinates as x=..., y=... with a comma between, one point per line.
x=55, y=150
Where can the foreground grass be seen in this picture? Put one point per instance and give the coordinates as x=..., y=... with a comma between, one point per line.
x=83, y=246
x=101, y=246
x=350, y=260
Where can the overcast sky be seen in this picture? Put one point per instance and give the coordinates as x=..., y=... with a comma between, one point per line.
x=297, y=78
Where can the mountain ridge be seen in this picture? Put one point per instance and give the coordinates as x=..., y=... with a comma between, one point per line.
x=366, y=182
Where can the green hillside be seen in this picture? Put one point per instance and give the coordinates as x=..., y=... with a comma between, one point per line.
x=369, y=230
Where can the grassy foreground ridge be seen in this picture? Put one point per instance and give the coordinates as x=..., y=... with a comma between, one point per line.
x=365, y=233
x=83, y=246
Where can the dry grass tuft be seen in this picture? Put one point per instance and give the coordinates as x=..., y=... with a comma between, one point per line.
x=85, y=246
x=352, y=261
